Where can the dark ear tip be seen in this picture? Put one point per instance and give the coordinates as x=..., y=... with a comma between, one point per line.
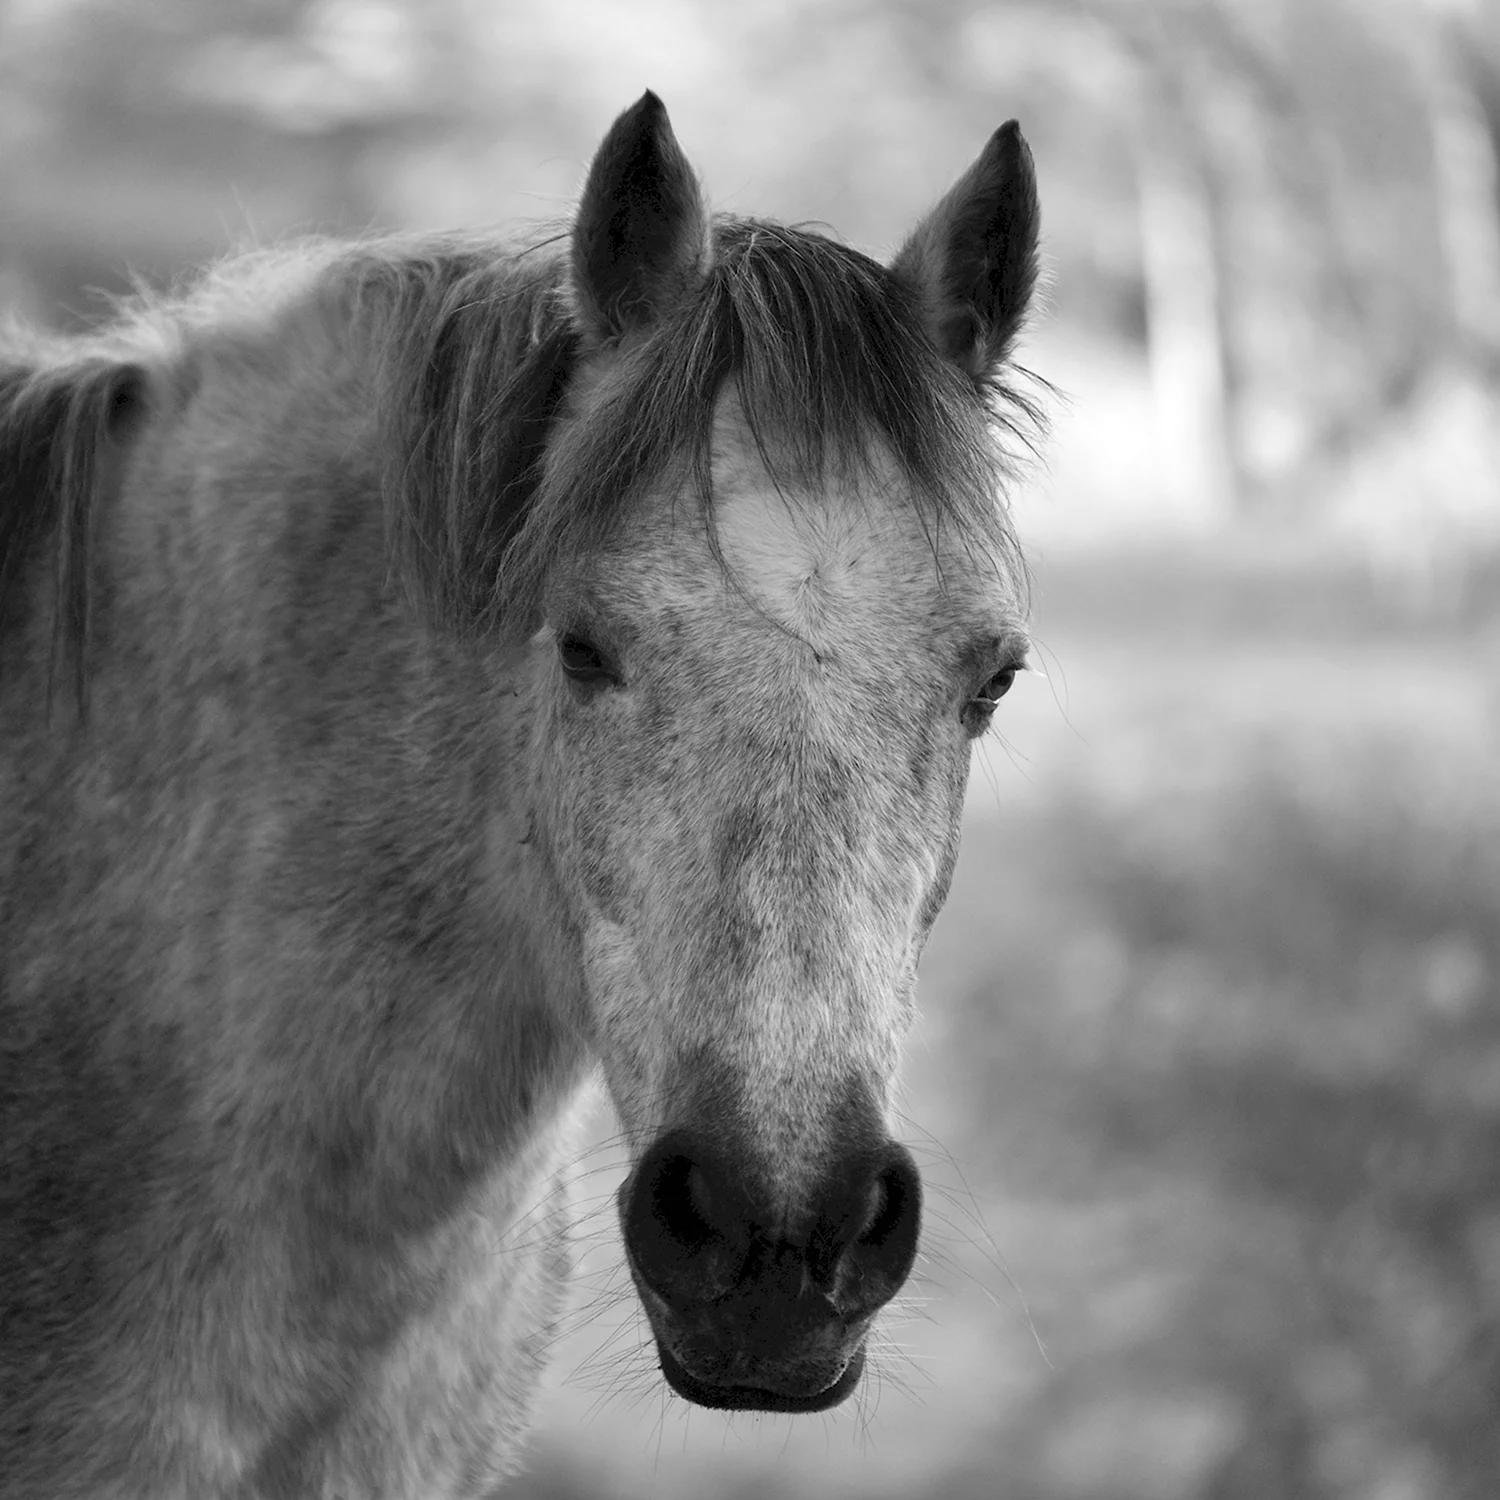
x=1008, y=144
x=640, y=231
x=645, y=121
x=647, y=111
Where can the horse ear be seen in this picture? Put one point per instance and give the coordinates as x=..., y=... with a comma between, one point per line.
x=641, y=232
x=973, y=259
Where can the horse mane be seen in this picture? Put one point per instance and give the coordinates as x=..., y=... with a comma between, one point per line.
x=64, y=408
x=472, y=348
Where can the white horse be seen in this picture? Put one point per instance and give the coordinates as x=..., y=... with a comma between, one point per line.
x=429, y=672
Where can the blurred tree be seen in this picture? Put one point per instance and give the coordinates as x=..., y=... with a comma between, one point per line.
x=1459, y=74
x=145, y=134
x=1317, y=233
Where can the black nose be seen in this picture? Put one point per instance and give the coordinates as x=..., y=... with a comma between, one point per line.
x=699, y=1225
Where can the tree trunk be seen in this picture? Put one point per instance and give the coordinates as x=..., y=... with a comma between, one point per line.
x=1184, y=331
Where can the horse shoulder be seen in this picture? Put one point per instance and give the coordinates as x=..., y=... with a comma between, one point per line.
x=444, y=1407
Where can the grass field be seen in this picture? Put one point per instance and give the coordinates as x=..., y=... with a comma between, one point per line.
x=1207, y=1086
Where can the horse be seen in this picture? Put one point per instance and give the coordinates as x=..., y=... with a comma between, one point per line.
x=433, y=672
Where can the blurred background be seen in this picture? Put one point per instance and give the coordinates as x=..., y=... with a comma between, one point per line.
x=1208, y=1083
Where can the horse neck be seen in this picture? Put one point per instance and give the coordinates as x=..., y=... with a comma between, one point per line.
x=328, y=797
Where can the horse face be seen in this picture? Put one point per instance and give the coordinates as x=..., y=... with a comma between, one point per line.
x=749, y=770
x=750, y=776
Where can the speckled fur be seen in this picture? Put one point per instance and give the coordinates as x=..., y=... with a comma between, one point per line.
x=766, y=928
x=289, y=1035
x=322, y=888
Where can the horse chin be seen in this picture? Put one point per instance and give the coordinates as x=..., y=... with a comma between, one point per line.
x=758, y=1398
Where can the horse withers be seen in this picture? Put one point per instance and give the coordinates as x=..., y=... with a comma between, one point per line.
x=429, y=671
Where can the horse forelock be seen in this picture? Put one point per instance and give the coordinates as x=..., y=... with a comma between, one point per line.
x=516, y=447
x=833, y=374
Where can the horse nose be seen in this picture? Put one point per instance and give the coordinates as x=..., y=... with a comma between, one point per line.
x=698, y=1227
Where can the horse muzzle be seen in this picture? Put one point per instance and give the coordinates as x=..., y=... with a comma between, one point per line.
x=756, y=1307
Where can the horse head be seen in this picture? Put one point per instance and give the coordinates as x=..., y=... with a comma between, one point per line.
x=760, y=681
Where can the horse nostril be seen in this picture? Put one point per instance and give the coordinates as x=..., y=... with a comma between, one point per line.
x=695, y=1230
x=684, y=1232
x=867, y=1230
x=699, y=1195
x=885, y=1207
x=680, y=1200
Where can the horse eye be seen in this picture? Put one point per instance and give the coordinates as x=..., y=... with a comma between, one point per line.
x=981, y=707
x=584, y=662
x=998, y=685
